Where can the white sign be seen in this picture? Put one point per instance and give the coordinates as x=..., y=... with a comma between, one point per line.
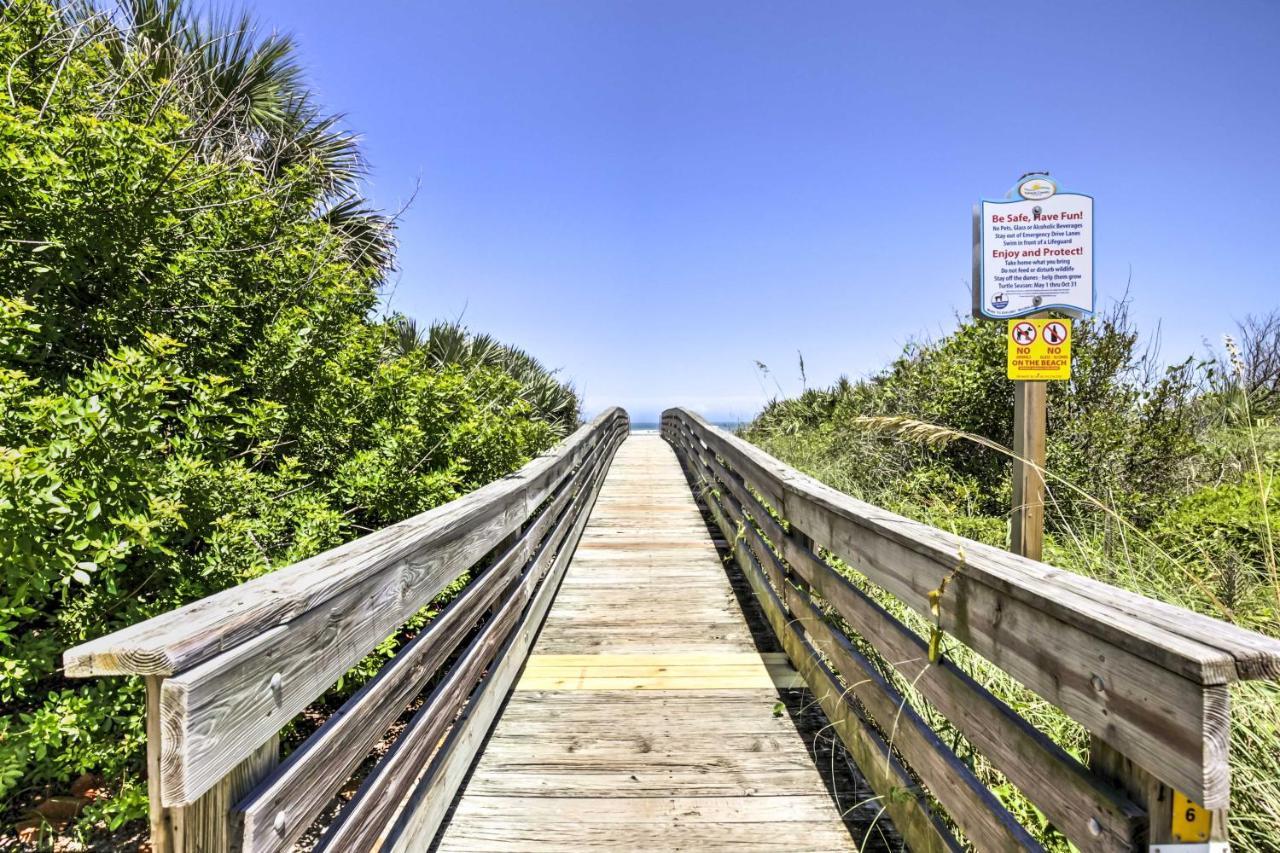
x=1033, y=252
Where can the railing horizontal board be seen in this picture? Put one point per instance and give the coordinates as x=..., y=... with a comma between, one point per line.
x=1093, y=815
x=899, y=794
x=975, y=809
x=453, y=535
x=216, y=713
x=281, y=808
x=1197, y=646
x=420, y=819
x=381, y=796
x=1135, y=694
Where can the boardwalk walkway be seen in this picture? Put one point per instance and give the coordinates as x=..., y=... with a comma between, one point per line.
x=645, y=717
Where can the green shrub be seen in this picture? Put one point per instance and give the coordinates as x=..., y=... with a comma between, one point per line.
x=192, y=389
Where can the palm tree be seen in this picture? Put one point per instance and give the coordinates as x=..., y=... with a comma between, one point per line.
x=248, y=102
x=451, y=343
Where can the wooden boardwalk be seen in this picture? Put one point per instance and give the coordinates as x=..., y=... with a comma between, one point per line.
x=645, y=717
x=640, y=713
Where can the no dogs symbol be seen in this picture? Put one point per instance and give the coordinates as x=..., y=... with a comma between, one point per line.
x=1024, y=334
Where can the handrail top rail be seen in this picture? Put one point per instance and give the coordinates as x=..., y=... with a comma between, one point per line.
x=179, y=639
x=1198, y=647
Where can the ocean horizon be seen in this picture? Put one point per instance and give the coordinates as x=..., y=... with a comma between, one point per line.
x=654, y=426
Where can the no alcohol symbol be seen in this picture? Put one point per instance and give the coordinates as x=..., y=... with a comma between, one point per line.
x=1055, y=333
x=1024, y=334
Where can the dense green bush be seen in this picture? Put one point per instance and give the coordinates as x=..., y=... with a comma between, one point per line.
x=1160, y=481
x=192, y=389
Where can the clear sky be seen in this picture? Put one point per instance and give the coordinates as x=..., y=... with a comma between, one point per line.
x=655, y=195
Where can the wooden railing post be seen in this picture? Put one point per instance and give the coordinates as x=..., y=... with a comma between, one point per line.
x=208, y=824
x=161, y=828
x=1030, y=414
x=1157, y=800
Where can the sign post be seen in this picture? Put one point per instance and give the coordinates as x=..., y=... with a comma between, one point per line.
x=1032, y=253
x=1030, y=417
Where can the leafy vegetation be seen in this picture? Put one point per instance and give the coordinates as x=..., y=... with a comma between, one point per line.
x=1159, y=480
x=192, y=389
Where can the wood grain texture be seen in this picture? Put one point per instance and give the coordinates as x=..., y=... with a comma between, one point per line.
x=442, y=541
x=425, y=809
x=1090, y=812
x=215, y=713
x=678, y=766
x=1146, y=684
x=284, y=805
x=364, y=822
x=209, y=823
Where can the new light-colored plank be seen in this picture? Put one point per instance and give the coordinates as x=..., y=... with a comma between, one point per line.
x=659, y=672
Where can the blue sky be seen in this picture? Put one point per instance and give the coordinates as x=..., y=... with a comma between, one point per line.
x=655, y=195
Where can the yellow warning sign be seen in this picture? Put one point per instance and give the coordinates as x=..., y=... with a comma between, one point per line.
x=1190, y=820
x=1039, y=349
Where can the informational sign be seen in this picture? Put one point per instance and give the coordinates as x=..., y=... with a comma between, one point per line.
x=1033, y=251
x=1039, y=349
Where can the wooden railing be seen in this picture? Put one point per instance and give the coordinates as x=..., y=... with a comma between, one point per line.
x=227, y=673
x=1149, y=681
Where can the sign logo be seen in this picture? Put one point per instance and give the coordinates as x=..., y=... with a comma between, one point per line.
x=999, y=301
x=1039, y=349
x=1035, y=189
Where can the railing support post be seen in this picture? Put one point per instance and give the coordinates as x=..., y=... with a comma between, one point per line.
x=1152, y=795
x=161, y=827
x=1030, y=413
x=207, y=825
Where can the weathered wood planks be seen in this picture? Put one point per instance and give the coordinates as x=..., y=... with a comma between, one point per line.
x=645, y=715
